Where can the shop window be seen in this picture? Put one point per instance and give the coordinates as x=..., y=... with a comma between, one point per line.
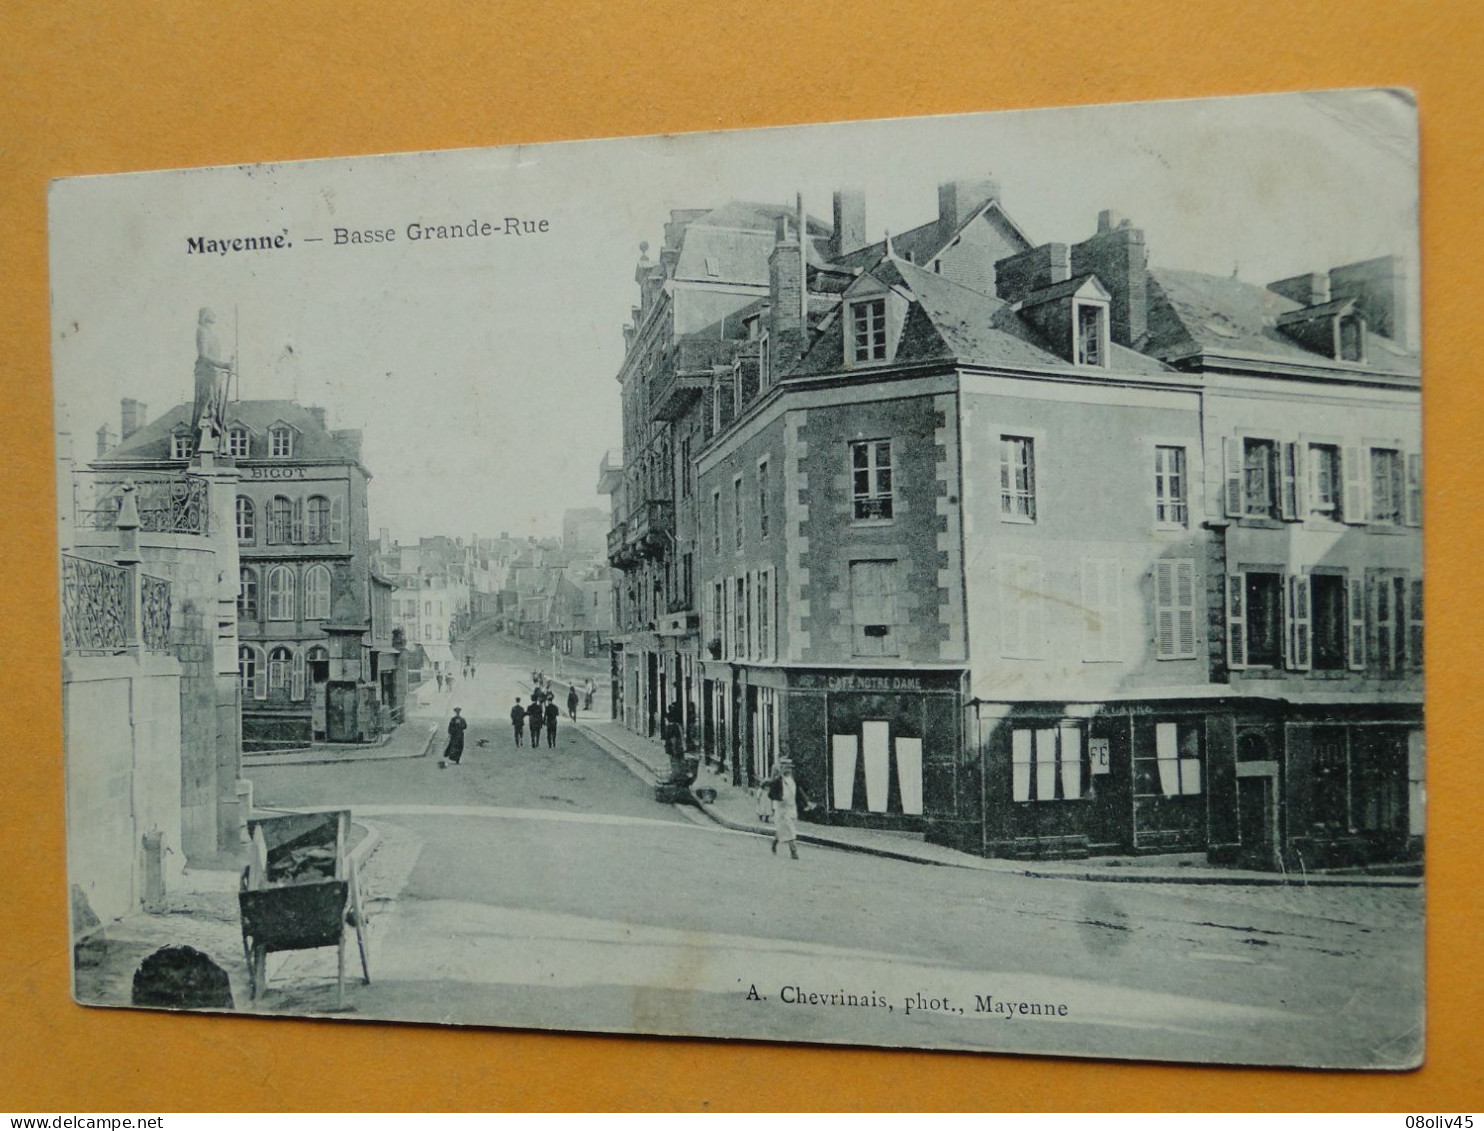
x=1172, y=768
x=1047, y=763
x=1379, y=766
x=1331, y=794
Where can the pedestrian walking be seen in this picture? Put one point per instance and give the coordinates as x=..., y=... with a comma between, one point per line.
x=588, y=692
x=440, y=681
x=448, y=682
x=518, y=720
x=534, y=717
x=572, y=699
x=553, y=713
x=786, y=796
x=453, y=753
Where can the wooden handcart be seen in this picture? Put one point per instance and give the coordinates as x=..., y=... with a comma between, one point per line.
x=300, y=891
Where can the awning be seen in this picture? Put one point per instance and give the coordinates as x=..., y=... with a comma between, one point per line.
x=439, y=653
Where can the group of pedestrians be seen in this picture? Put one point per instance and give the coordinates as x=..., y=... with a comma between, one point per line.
x=542, y=711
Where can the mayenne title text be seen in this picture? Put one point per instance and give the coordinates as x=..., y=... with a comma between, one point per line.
x=415, y=232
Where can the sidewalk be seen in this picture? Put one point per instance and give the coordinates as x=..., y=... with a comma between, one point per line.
x=411, y=739
x=736, y=809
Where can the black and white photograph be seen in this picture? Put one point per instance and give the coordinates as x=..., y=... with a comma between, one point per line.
x=942, y=583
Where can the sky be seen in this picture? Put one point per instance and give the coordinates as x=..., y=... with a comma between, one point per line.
x=482, y=370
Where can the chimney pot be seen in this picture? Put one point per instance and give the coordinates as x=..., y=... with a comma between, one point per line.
x=1118, y=257
x=957, y=199
x=131, y=417
x=1308, y=289
x=850, y=222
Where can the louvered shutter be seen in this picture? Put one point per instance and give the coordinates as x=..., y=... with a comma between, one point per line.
x=1231, y=447
x=1356, y=609
x=1414, y=489
x=1356, y=504
x=1236, y=621
x=1414, y=624
x=1185, y=608
x=297, y=690
x=1164, y=610
x=260, y=676
x=337, y=520
x=298, y=531
x=1288, y=504
x=1300, y=624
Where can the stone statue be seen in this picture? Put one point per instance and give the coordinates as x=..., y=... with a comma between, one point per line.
x=213, y=378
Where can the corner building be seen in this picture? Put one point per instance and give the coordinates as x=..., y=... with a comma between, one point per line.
x=1019, y=545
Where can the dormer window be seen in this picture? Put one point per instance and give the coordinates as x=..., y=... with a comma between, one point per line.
x=180, y=445
x=1092, y=334
x=238, y=444
x=281, y=441
x=1352, y=339
x=868, y=330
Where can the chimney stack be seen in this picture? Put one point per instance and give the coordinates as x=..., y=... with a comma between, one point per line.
x=1018, y=275
x=786, y=298
x=1118, y=257
x=1379, y=287
x=106, y=440
x=958, y=199
x=1308, y=289
x=850, y=223
x=131, y=417
x=318, y=412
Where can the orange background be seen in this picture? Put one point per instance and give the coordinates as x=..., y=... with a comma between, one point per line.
x=94, y=88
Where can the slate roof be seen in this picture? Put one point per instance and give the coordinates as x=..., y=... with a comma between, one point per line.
x=920, y=244
x=1190, y=311
x=951, y=322
x=152, y=442
x=737, y=240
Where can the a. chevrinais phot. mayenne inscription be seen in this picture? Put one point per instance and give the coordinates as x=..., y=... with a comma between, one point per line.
x=951, y=583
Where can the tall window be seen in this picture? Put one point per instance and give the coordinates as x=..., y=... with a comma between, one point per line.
x=247, y=668
x=247, y=595
x=868, y=330
x=1260, y=478
x=1326, y=487
x=1327, y=603
x=716, y=522
x=1171, y=504
x=281, y=442
x=280, y=593
x=739, y=609
x=317, y=593
x=317, y=519
x=871, y=476
x=246, y=520
x=1090, y=335
x=739, y=532
x=238, y=443
x=1386, y=485
x=1389, y=623
x=762, y=498
x=764, y=365
x=280, y=521
x=873, y=605
x=280, y=660
x=1046, y=763
x=1017, y=478
x=1262, y=632
x=1173, y=767
x=765, y=615
x=685, y=468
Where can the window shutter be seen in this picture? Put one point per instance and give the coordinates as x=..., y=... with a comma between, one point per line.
x=1288, y=495
x=1164, y=610
x=1300, y=624
x=1356, y=504
x=297, y=691
x=1414, y=489
x=337, y=520
x=1414, y=624
x=1236, y=622
x=260, y=677
x=1356, y=602
x=1185, y=608
x=1231, y=447
x=298, y=532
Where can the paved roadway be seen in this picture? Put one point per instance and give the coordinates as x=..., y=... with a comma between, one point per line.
x=546, y=889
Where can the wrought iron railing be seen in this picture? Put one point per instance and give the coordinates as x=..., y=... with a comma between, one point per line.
x=173, y=504
x=98, y=608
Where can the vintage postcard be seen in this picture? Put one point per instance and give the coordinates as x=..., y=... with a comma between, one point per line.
x=950, y=583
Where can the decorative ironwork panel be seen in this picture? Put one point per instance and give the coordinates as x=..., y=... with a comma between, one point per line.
x=154, y=612
x=167, y=505
x=95, y=606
